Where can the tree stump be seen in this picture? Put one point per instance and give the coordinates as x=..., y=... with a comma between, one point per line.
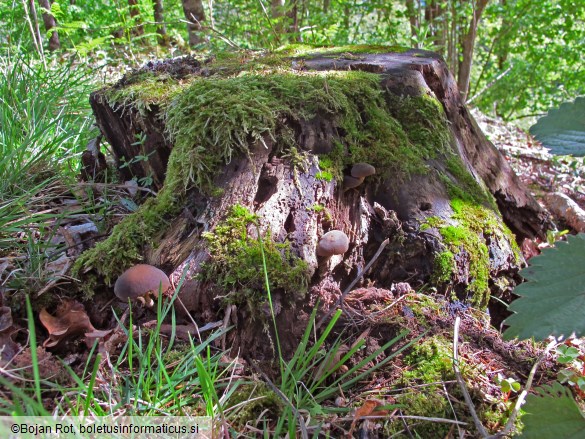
x=252, y=158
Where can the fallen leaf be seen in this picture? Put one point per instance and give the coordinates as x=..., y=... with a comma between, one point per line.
x=70, y=321
x=372, y=407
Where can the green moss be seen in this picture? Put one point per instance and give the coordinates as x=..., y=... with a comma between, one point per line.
x=324, y=175
x=475, y=223
x=429, y=362
x=444, y=264
x=144, y=91
x=464, y=187
x=251, y=401
x=296, y=50
x=237, y=258
x=317, y=208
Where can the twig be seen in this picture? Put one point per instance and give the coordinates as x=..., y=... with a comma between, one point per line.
x=352, y=284
x=461, y=435
x=212, y=29
x=511, y=420
x=461, y=383
x=303, y=427
x=489, y=85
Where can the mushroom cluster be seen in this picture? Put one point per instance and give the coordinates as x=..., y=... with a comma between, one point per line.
x=359, y=172
x=334, y=242
x=141, y=282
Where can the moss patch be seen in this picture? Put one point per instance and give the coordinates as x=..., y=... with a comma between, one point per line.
x=475, y=223
x=237, y=261
x=254, y=400
x=429, y=362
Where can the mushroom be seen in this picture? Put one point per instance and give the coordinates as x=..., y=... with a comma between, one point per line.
x=362, y=170
x=350, y=182
x=142, y=283
x=334, y=242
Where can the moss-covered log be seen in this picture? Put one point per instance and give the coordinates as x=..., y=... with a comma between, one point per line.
x=251, y=146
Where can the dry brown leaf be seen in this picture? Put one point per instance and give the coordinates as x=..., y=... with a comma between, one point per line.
x=70, y=321
x=369, y=408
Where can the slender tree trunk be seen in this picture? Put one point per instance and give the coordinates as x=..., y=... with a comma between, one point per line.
x=412, y=12
x=467, y=44
x=194, y=13
x=138, y=27
x=50, y=23
x=161, y=28
x=293, y=15
x=277, y=11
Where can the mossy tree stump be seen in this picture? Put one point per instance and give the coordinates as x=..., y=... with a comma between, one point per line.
x=250, y=145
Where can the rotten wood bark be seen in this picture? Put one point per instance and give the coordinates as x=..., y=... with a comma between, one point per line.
x=265, y=182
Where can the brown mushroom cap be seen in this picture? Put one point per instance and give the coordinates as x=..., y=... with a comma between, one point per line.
x=350, y=182
x=334, y=242
x=139, y=281
x=361, y=170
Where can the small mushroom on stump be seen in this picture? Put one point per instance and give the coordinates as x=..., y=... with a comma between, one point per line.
x=350, y=182
x=359, y=171
x=141, y=282
x=362, y=170
x=334, y=242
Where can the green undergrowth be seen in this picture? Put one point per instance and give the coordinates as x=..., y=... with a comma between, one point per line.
x=237, y=253
x=429, y=364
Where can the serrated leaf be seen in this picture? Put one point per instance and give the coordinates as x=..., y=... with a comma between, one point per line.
x=562, y=130
x=552, y=413
x=552, y=302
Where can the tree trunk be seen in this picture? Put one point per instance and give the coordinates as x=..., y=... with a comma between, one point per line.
x=195, y=15
x=439, y=206
x=413, y=17
x=159, y=19
x=50, y=23
x=467, y=44
x=137, y=26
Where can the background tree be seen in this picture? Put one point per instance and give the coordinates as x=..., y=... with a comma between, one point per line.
x=195, y=15
x=50, y=23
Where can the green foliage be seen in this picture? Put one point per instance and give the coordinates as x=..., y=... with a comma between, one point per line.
x=529, y=57
x=315, y=372
x=45, y=117
x=552, y=413
x=562, y=130
x=507, y=384
x=237, y=257
x=553, y=298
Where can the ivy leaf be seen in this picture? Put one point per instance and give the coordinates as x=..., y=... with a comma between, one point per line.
x=562, y=130
x=552, y=413
x=552, y=302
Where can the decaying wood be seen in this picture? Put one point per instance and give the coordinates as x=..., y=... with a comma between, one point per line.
x=567, y=210
x=283, y=198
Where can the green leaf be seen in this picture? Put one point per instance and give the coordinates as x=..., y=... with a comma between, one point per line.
x=562, y=130
x=567, y=354
x=552, y=413
x=552, y=302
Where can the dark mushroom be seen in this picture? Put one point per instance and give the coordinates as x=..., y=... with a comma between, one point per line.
x=362, y=170
x=350, y=182
x=334, y=242
x=141, y=282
